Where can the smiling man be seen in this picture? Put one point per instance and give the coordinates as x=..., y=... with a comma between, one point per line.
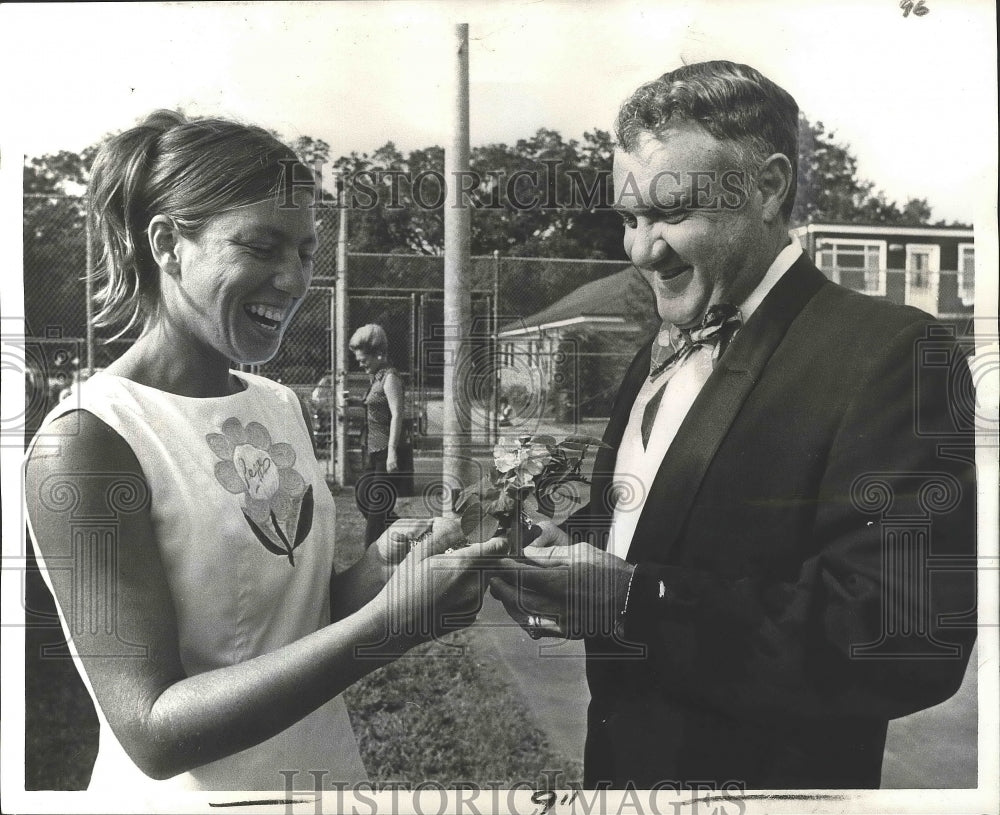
x=753, y=573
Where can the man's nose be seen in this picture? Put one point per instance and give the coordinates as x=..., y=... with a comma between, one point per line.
x=649, y=247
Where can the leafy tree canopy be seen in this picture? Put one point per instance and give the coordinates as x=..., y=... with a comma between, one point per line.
x=544, y=196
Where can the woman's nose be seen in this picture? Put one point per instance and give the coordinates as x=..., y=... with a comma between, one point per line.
x=294, y=276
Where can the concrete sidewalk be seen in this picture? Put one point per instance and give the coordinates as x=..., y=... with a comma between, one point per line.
x=548, y=675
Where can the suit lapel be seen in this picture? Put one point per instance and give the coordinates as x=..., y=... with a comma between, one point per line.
x=739, y=369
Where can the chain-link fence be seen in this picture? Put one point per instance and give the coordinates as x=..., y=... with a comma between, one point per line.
x=403, y=293
x=549, y=338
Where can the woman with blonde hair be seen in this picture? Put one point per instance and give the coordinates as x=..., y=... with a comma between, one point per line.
x=388, y=455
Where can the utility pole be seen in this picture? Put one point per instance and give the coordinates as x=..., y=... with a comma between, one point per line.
x=457, y=295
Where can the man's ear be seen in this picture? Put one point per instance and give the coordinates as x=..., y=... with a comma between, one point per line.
x=163, y=243
x=774, y=182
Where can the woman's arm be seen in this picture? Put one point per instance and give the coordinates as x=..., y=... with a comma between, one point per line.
x=166, y=721
x=394, y=394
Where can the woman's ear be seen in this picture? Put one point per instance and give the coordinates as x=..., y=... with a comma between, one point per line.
x=774, y=181
x=163, y=239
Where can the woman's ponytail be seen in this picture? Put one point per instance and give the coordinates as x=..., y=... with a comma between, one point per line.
x=119, y=199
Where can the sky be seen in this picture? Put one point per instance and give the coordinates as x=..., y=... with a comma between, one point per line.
x=914, y=97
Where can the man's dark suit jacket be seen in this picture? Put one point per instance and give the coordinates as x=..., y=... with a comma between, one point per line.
x=783, y=602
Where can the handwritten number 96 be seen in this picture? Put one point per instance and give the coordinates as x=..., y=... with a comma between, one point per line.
x=918, y=8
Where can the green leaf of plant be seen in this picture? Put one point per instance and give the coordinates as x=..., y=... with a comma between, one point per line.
x=531, y=466
x=472, y=516
x=500, y=508
x=466, y=497
x=591, y=441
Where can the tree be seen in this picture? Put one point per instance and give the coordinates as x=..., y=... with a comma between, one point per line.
x=54, y=233
x=560, y=203
x=396, y=202
x=62, y=173
x=830, y=189
x=543, y=197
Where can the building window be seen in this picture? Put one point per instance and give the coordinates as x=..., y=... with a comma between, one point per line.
x=920, y=270
x=967, y=273
x=923, y=262
x=859, y=264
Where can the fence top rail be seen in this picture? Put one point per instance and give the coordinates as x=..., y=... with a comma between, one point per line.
x=533, y=258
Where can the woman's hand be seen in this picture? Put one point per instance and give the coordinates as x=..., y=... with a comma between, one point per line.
x=434, y=594
x=391, y=461
x=551, y=535
x=437, y=534
x=396, y=542
x=355, y=587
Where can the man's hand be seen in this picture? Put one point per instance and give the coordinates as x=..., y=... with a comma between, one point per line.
x=569, y=591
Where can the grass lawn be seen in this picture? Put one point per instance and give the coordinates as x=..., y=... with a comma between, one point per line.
x=445, y=717
x=443, y=713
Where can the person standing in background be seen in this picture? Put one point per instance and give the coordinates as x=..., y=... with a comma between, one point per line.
x=388, y=458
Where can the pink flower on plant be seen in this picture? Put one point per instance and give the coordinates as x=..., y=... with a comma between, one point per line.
x=535, y=468
x=527, y=457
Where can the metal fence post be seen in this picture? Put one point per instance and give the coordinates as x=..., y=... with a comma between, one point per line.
x=495, y=355
x=340, y=339
x=89, y=287
x=330, y=405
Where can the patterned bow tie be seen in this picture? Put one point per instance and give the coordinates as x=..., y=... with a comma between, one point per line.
x=718, y=327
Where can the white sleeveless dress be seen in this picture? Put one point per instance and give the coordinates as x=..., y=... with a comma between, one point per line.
x=233, y=487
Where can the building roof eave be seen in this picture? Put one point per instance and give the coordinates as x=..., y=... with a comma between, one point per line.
x=878, y=229
x=602, y=321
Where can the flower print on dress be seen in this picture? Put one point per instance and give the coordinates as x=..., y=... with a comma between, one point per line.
x=277, y=504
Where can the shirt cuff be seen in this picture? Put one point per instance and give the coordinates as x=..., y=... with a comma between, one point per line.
x=646, y=603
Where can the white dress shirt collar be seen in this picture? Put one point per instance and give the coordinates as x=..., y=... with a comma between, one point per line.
x=781, y=264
